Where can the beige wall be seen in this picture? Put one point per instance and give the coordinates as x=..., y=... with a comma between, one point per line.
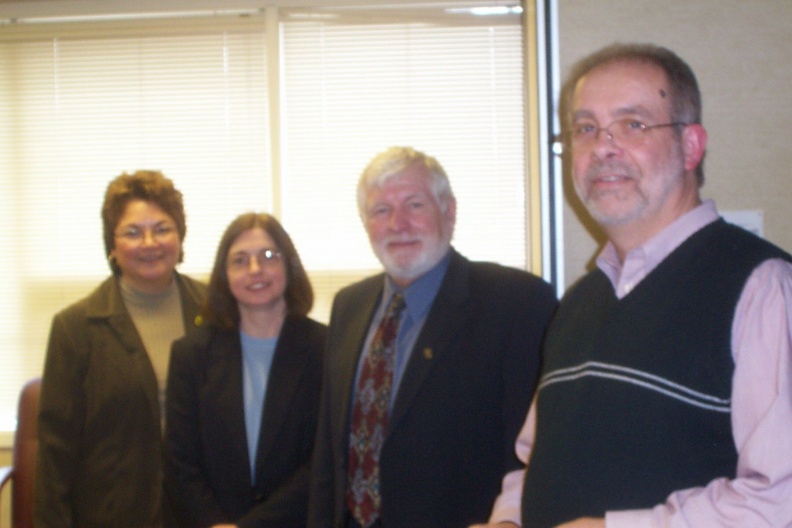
x=741, y=52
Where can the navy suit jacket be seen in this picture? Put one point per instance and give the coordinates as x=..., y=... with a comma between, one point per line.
x=207, y=462
x=462, y=400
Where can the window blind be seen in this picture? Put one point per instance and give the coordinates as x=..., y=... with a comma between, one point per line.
x=82, y=102
x=449, y=85
x=81, y=105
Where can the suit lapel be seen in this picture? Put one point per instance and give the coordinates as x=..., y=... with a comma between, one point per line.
x=448, y=315
x=109, y=305
x=224, y=376
x=285, y=377
x=353, y=340
x=121, y=323
x=130, y=340
x=190, y=301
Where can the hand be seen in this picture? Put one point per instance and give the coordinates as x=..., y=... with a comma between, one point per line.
x=584, y=522
x=498, y=525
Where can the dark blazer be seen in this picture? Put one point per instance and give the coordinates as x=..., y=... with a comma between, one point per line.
x=99, y=459
x=207, y=461
x=462, y=400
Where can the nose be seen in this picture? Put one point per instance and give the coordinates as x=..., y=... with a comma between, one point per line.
x=604, y=145
x=254, y=266
x=604, y=131
x=398, y=219
x=148, y=237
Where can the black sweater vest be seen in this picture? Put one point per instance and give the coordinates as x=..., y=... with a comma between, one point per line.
x=634, y=400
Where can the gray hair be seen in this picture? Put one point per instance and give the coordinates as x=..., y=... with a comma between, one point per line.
x=393, y=161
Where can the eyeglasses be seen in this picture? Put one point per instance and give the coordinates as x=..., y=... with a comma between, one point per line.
x=239, y=262
x=159, y=233
x=627, y=132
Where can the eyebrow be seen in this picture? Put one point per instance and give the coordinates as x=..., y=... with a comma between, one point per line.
x=416, y=194
x=138, y=224
x=619, y=112
x=253, y=251
x=411, y=196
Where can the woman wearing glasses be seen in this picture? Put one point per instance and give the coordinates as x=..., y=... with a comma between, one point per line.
x=100, y=440
x=243, y=389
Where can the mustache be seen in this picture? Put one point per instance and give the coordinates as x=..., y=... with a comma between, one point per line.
x=609, y=168
x=401, y=238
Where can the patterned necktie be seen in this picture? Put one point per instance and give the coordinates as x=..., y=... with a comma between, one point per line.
x=370, y=418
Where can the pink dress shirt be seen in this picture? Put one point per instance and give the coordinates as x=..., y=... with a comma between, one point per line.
x=761, y=494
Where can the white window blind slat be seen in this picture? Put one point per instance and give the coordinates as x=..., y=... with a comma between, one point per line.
x=82, y=102
x=454, y=92
x=80, y=110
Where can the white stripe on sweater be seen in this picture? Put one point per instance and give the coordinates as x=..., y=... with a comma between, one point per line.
x=640, y=378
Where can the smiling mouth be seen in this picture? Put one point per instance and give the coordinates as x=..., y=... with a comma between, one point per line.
x=400, y=244
x=609, y=178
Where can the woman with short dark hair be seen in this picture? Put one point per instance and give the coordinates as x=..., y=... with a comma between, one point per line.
x=103, y=389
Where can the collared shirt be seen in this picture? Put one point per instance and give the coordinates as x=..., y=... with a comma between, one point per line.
x=761, y=414
x=642, y=260
x=418, y=299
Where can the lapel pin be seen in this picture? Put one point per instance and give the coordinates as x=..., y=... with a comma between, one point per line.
x=427, y=353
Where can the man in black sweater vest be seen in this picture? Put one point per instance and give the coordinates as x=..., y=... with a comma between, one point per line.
x=665, y=397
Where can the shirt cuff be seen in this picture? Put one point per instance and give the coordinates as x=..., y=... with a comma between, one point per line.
x=507, y=505
x=628, y=519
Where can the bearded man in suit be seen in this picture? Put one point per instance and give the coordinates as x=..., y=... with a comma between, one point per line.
x=425, y=444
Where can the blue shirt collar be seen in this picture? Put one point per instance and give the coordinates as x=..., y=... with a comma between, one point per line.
x=420, y=294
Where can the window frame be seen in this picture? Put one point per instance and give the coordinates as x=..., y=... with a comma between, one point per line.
x=542, y=170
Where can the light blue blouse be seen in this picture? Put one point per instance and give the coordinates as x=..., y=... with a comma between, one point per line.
x=257, y=354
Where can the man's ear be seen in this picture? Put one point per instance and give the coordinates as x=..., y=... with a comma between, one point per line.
x=450, y=213
x=694, y=144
